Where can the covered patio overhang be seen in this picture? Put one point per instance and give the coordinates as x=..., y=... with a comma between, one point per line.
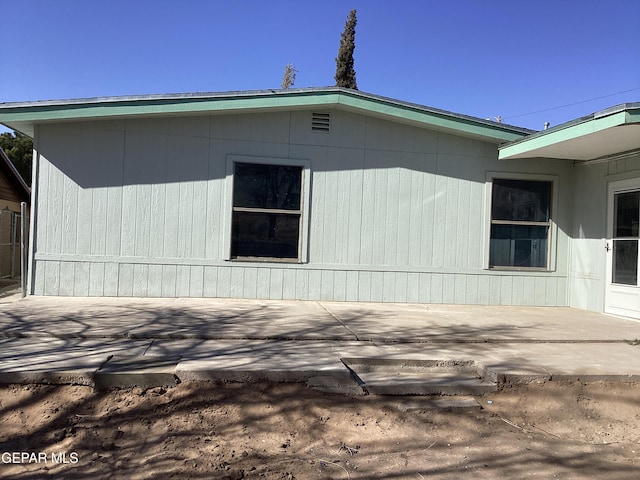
x=602, y=136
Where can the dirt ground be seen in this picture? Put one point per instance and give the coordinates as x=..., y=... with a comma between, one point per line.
x=287, y=431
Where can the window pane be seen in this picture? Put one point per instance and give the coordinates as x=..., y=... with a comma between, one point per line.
x=627, y=214
x=265, y=235
x=518, y=246
x=625, y=262
x=267, y=186
x=520, y=200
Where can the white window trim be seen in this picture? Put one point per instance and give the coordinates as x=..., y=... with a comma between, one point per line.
x=227, y=216
x=553, y=227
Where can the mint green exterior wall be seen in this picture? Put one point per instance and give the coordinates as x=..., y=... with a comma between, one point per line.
x=136, y=207
x=588, y=261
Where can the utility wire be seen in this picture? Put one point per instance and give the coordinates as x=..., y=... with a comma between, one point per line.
x=572, y=104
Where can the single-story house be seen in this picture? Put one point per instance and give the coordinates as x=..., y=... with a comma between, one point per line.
x=330, y=194
x=13, y=191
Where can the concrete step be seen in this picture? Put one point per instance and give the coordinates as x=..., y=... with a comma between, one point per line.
x=380, y=376
x=335, y=384
x=136, y=371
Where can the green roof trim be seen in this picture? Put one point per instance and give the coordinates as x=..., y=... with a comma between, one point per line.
x=528, y=147
x=24, y=116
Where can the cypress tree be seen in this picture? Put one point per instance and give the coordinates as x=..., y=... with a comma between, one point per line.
x=345, y=72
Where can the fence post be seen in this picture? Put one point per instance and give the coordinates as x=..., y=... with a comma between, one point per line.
x=23, y=248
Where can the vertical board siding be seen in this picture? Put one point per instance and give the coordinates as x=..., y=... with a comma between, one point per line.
x=172, y=218
x=96, y=279
x=210, y=282
x=99, y=204
x=250, y=287
x=183, y=281
x=142, y=220
x=391, y=215
x=263, y=279
x=153, y=280
x=157, y=218
x=339, y=290
x=154, y=286
x=52, y=278
x=355, y=219
x=80, y=282
x=140, y=280
x=424, y=294
x=113, y=231
x=128, y=221
x=55, y=207
x=110, y=284
x=436, y=288
x=275, y=285
x=69, y=216
x=185, y=219
x=237, y=283
x=427, y=198
x=67, y=274
x=387, y=200
x=288, y=284
x=352, y=286
x=471, y=296
x=196, y=281
x=223, y=282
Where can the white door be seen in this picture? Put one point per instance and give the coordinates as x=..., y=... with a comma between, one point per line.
x=622, y=294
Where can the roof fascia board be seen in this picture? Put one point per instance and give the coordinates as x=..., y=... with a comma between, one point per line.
x=633, y=116
x=440, y=121
x=87, y=110
x=27, y=114
x=571, y=132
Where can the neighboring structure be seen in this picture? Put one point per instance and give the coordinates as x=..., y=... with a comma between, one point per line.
x=13, y=191
x=326, y=193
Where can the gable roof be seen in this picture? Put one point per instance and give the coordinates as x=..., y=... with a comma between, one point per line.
x=25, y=116
x=601, y=136
x=18, y=189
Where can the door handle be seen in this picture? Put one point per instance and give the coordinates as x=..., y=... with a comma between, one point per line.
x=607, y=247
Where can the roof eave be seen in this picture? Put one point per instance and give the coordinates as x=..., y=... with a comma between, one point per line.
x=24, y=116
x=542, y=144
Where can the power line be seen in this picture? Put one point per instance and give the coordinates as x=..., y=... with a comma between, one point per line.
x=572, y=104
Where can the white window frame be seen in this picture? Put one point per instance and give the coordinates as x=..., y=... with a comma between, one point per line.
x=553, y=227
x=303, y=235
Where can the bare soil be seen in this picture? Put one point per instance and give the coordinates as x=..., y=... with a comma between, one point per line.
x=287, y=431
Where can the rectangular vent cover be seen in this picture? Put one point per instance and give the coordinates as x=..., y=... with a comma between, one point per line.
x=320, y=122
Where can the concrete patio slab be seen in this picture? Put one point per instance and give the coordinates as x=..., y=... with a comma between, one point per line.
x=478, y=323
x=87, y=317
x=66, y=340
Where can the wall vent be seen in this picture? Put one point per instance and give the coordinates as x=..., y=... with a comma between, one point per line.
x=320, y=122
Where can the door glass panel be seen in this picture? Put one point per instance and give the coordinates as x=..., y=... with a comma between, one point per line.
x=625, y=262
x=626, y=214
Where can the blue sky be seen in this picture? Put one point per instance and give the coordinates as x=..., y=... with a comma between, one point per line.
x=485, y=58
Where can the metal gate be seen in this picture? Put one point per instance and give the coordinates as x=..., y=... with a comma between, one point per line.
x=13, y=240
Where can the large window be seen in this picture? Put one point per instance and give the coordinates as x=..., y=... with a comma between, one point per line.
x=520, y=224
x=267, y=211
